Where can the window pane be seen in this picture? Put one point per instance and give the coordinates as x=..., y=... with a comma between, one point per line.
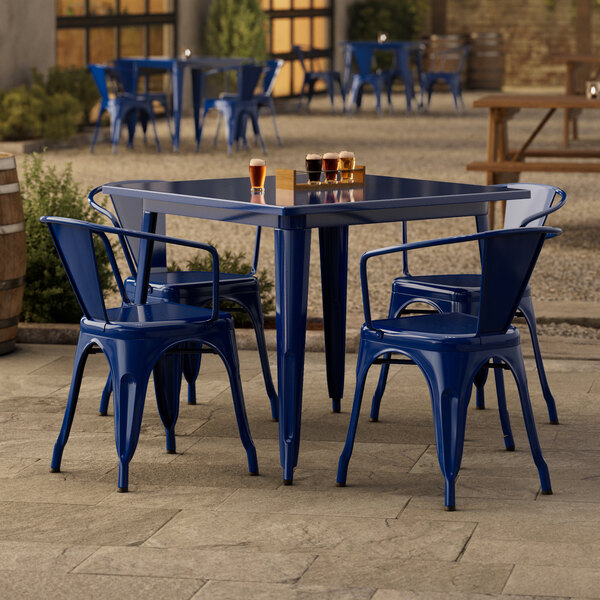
x=301, y=4
x=70, y=47
x=160, y=42
x=302, y=31
x=70, y=8
x=103, y=7
x=281, y=35
x=102, y=44
x=321, y=33
x=321, y=3
x=282, y=4
x=132, y=41
x=160, y=6
x=298, y=77
x=265, y=4
x=132, y=7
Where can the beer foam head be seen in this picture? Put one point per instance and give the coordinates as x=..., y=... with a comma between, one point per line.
x=257, y=162
x=313, y=157
x=331, y=155
x=346, y=154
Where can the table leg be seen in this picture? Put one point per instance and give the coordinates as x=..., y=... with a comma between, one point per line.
x=407, y=77
x=177, y=103
x=333, y=244
x=197, y=100
x=292, y=257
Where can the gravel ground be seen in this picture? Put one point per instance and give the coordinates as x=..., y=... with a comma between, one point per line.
x=436, y=145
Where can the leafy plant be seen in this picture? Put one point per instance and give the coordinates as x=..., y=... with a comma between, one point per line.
x=399, y=19
x=28, y=112
x=76, y=81
x=230, y=262
x=48, y=294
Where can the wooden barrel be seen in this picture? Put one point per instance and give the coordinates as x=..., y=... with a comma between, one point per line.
x=486, y=62
x=12, y=251
x=451, y=61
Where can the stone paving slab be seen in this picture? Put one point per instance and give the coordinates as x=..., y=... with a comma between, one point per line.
x=196, y=525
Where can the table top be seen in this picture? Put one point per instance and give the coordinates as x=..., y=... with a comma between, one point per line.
x=579, y=58
x=201, y=62
x=535, y=101
x=382, y=199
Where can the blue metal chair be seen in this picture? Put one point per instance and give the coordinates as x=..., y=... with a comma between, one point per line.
x=401, y=69
x=188, y=287
x=363, y=57
x=138, y=339
x=460, y=292
x=451, y=348
x=438, y=72
x=311, y=77
x=237, y=109
x=130, y=74
x=120, y=105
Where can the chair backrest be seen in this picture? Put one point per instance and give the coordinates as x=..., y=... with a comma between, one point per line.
x=449, y=60
x=507, y=260
x=129, y=74
x=300, y=56
x=270, y=74
x=248, y=78
x=363, y=56
x=519, y=212
x=99, y=74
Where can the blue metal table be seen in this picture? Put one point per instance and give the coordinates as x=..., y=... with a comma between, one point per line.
x=292, y=215
x=402, y=50
x=199, y=66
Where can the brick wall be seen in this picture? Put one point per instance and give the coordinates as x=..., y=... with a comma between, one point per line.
x=534, y=35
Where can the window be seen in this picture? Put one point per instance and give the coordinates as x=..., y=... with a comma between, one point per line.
x=305, y=23
x=89, y=31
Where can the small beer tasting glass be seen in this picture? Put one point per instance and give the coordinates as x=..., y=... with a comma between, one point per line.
x=313, y=167
x=258, y=171
x=347, y=163
x=330, y=166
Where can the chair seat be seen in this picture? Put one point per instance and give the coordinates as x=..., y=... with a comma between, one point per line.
x=156, y=316
x=439, y=329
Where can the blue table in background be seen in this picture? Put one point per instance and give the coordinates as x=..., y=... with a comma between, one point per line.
x=293, y=215
x=198, y=65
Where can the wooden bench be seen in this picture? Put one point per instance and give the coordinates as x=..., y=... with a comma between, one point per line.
x=519, y=166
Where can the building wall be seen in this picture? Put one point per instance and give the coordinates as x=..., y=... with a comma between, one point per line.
x=535, y=36
x=27, y=39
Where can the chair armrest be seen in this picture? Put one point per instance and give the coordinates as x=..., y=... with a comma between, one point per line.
x=549, y=231
x=553, y=208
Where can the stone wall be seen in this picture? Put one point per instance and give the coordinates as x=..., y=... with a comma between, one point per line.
x=534, y=35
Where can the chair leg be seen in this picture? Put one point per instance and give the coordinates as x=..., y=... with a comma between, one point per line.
x=81, y=355
x=378, y=394
x=158, y=149
x=254, y=311
x=518, y=369
x=273, y=116
x=526, y=307
x=167, y=382
x=105, y=398
x=330, y=92
x=219, y=119
x=509, y=442
x=191, y=368
x=257, y=133
x=479, y=382
x=224, y=343
x=362, y=368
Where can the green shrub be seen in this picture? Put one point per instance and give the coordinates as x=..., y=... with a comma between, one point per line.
x=76, y=81
x=29, y=112
x=48, y=294
x=230, y=262
x=236, y=28
x=398, y=18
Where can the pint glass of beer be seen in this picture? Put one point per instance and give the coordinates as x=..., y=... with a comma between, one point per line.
x=330, y=166
x=313, y=167
x=347, y=165
x=258, y=170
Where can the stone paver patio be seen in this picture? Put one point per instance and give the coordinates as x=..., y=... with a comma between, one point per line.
x=195, y=525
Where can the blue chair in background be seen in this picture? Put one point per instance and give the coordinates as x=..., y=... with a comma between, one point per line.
x=451, y=348
x=138, y=339
x=401, y=69
x=363, y=58
x=236, y=109
x=445, y=66
x=460, y=292
x=188, y=287
x=121, y=106
x=329, y=78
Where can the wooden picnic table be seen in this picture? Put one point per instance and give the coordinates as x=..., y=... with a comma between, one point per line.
x=505, y=164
